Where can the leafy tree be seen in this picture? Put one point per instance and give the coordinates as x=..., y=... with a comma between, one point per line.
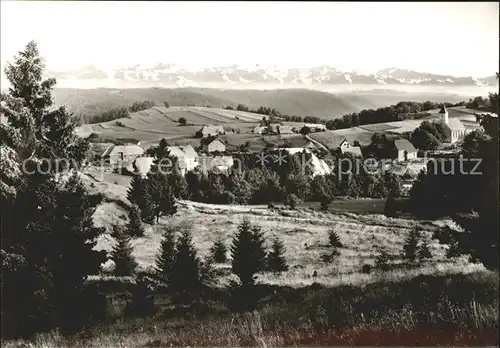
x=292, y=201
x=182, y=121
x=248, y=253
x=423, y=140
x=276, y=261
x=125, y=263
x=218, y=251
x=410, y=247
x=305, y=130
x=424, y=251
x=167, y=105
x=134, y=227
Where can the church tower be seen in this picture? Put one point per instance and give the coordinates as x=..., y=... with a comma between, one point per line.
x=444, y=112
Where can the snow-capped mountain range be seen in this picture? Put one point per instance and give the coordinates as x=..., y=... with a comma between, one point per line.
x=170, y=74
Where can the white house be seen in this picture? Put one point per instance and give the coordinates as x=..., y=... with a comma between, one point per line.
x=122, y=153
x=215, y=145
x=346, y=147
x=187, y=156
x=404, y=150
x=318, y=166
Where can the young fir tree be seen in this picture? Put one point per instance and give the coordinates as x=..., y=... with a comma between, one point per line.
x=424, y=252
x=276, y=261
x=166, y=258
x=187, y=270
x=141, y=304
x=125, y=263
x=248, y=253
x=390, y=208
x=137, y=195
x=162, y=197
x=334, y=240
x=218, y=251
x=410, y=247
x=134, y=226
x=454, y=249
x=382, y=261
x=177, y=181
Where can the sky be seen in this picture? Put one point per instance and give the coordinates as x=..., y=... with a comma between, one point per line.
x=460, y=39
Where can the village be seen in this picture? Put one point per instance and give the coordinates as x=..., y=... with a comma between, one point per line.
x=400, y=157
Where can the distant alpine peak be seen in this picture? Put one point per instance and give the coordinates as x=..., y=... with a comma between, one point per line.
x=172, y=74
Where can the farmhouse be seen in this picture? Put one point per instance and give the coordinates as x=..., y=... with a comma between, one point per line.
x=213, y=145
x=187, y=156
x=276, y=128
x=210, y=130
x=403, y=150
x=122, y=153
x=317, y=166
x=346, y=147
x=314, y=127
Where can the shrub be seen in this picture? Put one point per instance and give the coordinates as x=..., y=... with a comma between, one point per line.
x=182, y=121
x=366, y=269
x=292, y=200
x=382, y=261
x=167, y=105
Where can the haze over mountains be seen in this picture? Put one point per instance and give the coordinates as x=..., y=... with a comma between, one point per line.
x=164, y=74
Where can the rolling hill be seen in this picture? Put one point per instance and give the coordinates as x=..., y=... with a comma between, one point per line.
x=300, y=102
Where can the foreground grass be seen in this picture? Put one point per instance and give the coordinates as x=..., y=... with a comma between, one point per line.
x=427, y=310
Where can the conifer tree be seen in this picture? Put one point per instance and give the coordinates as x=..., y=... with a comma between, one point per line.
x=218, y=251
x=134, y=226
x=424, y=252
x=276, y=261
x=248, y=252
x=334, y=240
x=187, y=270
x=382, y=261
x=177, y=181
x=138, y=195
x=48, y=236
x=166, y=257
x=162, y=197
x=142, y=302
x=125, y=263
x=410, y=247
x=454, y=248
x=390, y=208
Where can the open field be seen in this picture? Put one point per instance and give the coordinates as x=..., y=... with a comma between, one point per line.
x=304, y=232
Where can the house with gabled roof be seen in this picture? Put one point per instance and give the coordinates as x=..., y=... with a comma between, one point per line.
x=403, y=150
x=210, y=130
x=186, y=155
x=115, y=154
x=346, y=147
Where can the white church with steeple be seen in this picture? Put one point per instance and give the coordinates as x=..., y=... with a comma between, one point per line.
x=456, y=129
